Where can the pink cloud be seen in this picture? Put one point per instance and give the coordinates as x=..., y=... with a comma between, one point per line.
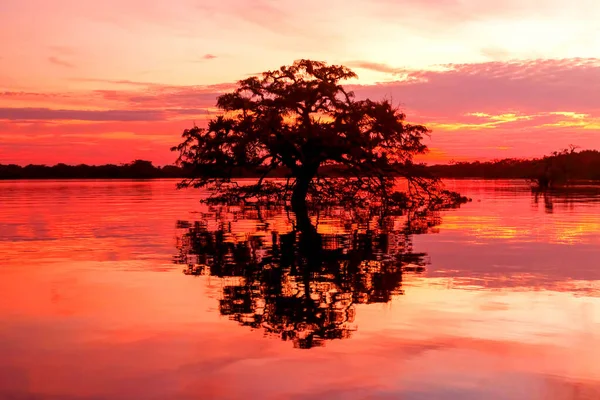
x=125, y=95
x=63, y=50
x=118, y=82
x=266, y=14
x=500, y=109
x=527, y=86
x=168, y=96
x=447, y=13
x=372, y=66
x=60, y=62
x=46, y=114
x=21, y=95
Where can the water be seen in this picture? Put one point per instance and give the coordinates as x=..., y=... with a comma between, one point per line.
x=94, y=306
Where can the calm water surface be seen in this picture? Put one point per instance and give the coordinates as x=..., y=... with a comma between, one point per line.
x=94, y=306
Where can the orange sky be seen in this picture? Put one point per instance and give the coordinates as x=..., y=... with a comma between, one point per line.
x=96, y=82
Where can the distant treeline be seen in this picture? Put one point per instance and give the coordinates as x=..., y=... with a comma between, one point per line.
x=556, y=168
x=138, y=169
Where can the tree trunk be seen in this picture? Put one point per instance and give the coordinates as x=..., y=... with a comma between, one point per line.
x=299, y=206
x=304, y=176
x=300, y=192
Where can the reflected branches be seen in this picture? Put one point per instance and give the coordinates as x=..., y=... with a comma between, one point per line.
x=303, y=286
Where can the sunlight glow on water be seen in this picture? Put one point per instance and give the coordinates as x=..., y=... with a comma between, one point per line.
x=93, y=306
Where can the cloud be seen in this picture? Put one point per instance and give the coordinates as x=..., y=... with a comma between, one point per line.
x=496, y=53
x=446, y=92
x=22, y=94
x=525, y=86
x=204, y=58
x=372, y=66
x=63, y=50
x=285, y=24
x=264, y=13
x=516, y=122
x=169, y=96
x=124, y=95
x=60, y=62
x=442, y=14
x=47, y=114
x=119, y=82
x=499, y=109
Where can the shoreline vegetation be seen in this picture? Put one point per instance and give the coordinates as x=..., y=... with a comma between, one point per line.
x=554, y=170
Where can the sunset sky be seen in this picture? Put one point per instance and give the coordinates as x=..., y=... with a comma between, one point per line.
x=85, y=81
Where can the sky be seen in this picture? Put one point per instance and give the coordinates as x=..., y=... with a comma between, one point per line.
x=110, y=81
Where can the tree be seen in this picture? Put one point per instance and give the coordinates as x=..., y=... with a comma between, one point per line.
x=140, y=169
x=300, y=118
x=556, y=169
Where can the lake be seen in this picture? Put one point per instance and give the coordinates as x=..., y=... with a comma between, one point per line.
x=501, y=300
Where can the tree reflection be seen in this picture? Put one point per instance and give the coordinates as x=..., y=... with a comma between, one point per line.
x=566, y=197
x=303, y=285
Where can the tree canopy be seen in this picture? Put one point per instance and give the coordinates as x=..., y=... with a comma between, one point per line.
x=302, y=119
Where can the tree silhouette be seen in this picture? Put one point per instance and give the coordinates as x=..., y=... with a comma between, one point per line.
x=341, y=156
x=303, y=287
x=300, y=118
